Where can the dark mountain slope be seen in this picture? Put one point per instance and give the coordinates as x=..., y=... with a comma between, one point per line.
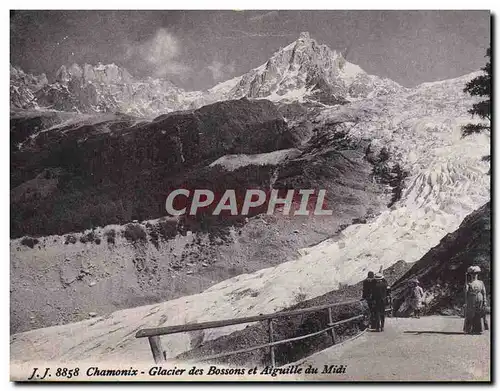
x=441, y=271
x=113, y=171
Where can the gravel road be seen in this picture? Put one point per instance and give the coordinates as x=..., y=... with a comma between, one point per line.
x=431, y=348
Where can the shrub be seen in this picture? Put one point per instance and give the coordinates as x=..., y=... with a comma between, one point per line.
x=110, y=236
x=168, y=229
x=70, y=239
x=29, y=241
x=163, y=230
x=134, y=233
x=89, y=238
x=153, y=235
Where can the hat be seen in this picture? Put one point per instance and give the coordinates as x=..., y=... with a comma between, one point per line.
x=473, y=269
x=378, y=276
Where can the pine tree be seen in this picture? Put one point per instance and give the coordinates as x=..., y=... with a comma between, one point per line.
x=480, y=86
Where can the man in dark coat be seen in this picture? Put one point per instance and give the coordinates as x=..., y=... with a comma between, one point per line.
x=367, y=295
x=367, y=286
x=379, y=296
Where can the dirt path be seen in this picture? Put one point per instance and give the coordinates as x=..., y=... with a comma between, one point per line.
x=427, y=349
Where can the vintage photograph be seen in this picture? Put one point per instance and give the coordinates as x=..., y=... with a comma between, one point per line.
x=252, y=196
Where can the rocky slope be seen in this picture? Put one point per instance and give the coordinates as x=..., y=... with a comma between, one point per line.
x=441, y=271
x=115, y=170
x=110, y=169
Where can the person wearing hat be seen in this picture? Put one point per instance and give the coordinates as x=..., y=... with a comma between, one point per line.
x=475, y=302
x=416, y=297
x=379, y=296
x=367, y=296
x=367, y=286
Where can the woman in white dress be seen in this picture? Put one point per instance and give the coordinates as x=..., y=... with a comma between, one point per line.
x=416, y=298
x=475, y=302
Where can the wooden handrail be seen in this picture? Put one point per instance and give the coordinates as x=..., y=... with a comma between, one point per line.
x=151, y=332
x=281, y=341
x=159, y=355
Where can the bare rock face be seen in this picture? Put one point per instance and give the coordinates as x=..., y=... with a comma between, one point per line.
x=23, y=87
x=96, y=89
x=441, y=271
x=68, y=272
x=34, y=82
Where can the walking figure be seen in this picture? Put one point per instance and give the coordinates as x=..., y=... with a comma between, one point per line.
x=388, y=301
x=416, y=298
x=475, y=302
x=367, y=295
x=379, y=296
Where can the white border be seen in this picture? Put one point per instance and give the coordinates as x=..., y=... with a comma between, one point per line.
x=186, y=4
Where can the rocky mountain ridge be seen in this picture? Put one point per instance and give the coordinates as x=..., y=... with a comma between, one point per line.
x=303, y=70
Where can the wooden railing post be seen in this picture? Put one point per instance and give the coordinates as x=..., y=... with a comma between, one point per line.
x=330, y=324
x=156, y=349
x=271, y=340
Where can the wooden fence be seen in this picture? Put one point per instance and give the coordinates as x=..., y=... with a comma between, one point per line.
x=153, y=334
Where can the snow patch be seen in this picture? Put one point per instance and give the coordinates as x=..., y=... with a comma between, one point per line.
x=233, y=162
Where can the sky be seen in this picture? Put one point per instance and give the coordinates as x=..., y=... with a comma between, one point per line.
x=198, y=49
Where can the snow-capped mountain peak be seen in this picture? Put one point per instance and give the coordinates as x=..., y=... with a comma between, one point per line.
x=100, y=88
x=306, y=69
